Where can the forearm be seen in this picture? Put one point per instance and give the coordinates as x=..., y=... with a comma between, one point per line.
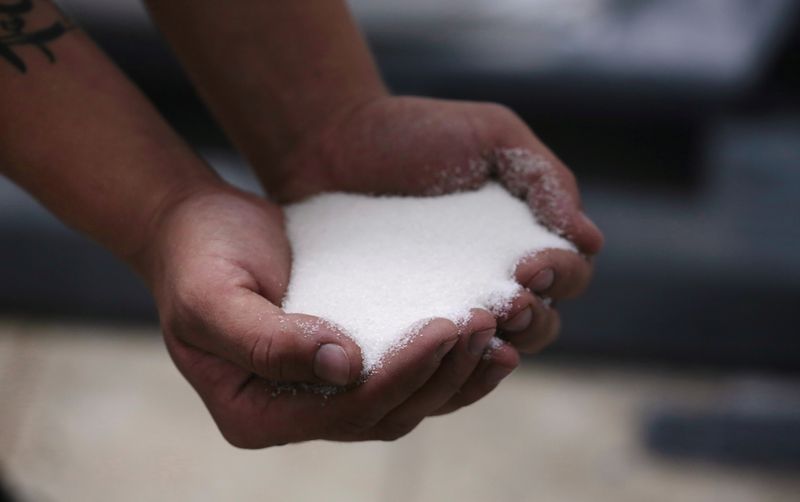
x=270, y=70
x=83, y=140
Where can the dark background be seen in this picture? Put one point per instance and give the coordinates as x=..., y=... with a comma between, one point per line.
x=680, y=118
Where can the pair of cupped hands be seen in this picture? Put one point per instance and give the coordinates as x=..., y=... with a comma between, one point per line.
x=219, y=263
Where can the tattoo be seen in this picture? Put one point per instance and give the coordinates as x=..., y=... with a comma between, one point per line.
x=13, y=33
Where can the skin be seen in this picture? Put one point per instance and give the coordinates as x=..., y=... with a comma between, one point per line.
x=217, y=283
x=420, y=146
x=311, y=114
x=302, y=70
x=79, y=136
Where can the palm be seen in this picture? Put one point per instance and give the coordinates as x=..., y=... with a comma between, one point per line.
x=418, y=146
x=225, y=261
x=223, y=269
x=226, y=248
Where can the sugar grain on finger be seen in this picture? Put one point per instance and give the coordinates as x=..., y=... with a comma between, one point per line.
x=377, y=267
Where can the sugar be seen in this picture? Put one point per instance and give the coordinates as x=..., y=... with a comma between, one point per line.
x=379, y=268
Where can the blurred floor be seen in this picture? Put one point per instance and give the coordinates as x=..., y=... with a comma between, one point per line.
x=99, y=413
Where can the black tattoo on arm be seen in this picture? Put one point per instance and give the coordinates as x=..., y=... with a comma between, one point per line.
x=13, y=33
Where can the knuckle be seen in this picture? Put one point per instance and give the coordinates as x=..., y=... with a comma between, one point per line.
x=237, y=435
x=394, y=430
x=482, y=320
x=451, y=406
x=272, y=355
x=263, y=358
x=238, y=440
x=478, y=392
x=454, y=376
x=499, y=110
x=248, y=441
x=508, y=119
x=452, y=385
x=496, y=122
x=355, y=425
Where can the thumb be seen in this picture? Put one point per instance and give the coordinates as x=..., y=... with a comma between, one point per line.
x=256, y=335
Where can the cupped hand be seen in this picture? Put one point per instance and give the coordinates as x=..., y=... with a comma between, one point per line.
x=218, y=264
x=418, y=146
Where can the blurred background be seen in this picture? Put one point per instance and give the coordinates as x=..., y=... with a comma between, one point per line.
x=676, y=376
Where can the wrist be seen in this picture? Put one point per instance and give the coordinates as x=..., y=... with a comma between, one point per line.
x=143, y=255
x=307, y=155
x=271, y=71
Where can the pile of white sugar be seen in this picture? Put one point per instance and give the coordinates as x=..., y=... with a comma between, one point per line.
x=379, y=266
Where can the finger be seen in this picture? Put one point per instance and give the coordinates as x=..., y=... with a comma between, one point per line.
x=526, y=321
x=456, y=368
x=498, y=362
x=401, y=375
x=213, y=377
x=534, y=174
x=555, y=273
x=261, y=414
x=249, y=331
x=540, y=334
x=219, y=383
x=529, y=170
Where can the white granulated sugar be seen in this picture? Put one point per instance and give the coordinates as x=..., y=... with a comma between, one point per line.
x=378, y=267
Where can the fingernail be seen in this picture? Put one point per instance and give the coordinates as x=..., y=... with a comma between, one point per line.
x=445, y=347
x=479, y=341
x=520, y=321
x=542, y=280
x=495, y=374
x=332, y=365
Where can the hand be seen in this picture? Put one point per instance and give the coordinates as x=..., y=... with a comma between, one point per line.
x=422, y=146
x=218, y=266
